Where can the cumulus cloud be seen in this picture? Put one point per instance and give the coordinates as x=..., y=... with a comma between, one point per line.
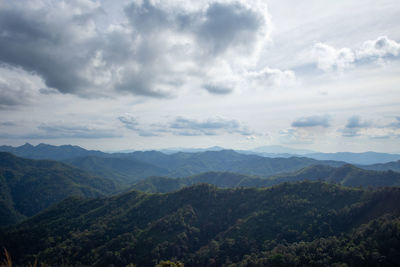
x=312, y=121
x=17, y=87
x=268, y=77
x=154, y=50
x=329, y=58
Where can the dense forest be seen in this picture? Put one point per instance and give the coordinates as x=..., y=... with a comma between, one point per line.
x=206, y=226
x=138, y=209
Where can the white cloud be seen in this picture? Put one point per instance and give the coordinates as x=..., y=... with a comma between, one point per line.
x=268, y=77
x=329, y=58
x=379, y=48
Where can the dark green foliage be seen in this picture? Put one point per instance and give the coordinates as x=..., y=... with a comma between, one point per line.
x=373, y=244
x=29, y=186
x=202, y=225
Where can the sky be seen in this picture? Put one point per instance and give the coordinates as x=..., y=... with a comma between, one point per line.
x=115, y=75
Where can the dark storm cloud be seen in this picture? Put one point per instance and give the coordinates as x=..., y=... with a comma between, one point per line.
x=312, y=121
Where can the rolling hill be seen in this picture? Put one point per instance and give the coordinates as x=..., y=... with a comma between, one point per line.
x=124, y=171
x=29, y=186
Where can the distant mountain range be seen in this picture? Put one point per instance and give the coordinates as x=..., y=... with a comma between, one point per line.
x=365, y=158
x=50, y=152
x=65, y=152
x=128, y=168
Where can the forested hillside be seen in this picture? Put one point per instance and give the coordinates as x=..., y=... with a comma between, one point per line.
x=206, y=226
x=29, y=186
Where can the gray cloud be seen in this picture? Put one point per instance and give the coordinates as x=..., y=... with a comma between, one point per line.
x=229, y=25
x=312, y=121
x=190, y=127
x=70, y=45
x=215, y=89
x=129, y=122
x=17, y=87
x=355, y=122
x=55, y=131
x=132, y=124
x=50, y=44
x=353, y=126
x=8, y=123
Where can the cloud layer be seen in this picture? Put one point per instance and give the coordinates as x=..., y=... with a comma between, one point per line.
x=156, y=49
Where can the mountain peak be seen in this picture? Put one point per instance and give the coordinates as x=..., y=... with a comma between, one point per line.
x=26, y=145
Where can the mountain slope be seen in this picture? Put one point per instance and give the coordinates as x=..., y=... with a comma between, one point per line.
x=193, y=225
x=394, y=166
x=29, y=186
x=346, y=175
x=123, y=170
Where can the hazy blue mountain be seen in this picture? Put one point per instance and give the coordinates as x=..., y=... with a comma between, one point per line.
x=394, y=166
x=365, y=158
x=186, y=164
x=122, y=170
x=29, y=186
x=50, y=152
x=190, y=150
x=346, y=175
x=281, y=150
